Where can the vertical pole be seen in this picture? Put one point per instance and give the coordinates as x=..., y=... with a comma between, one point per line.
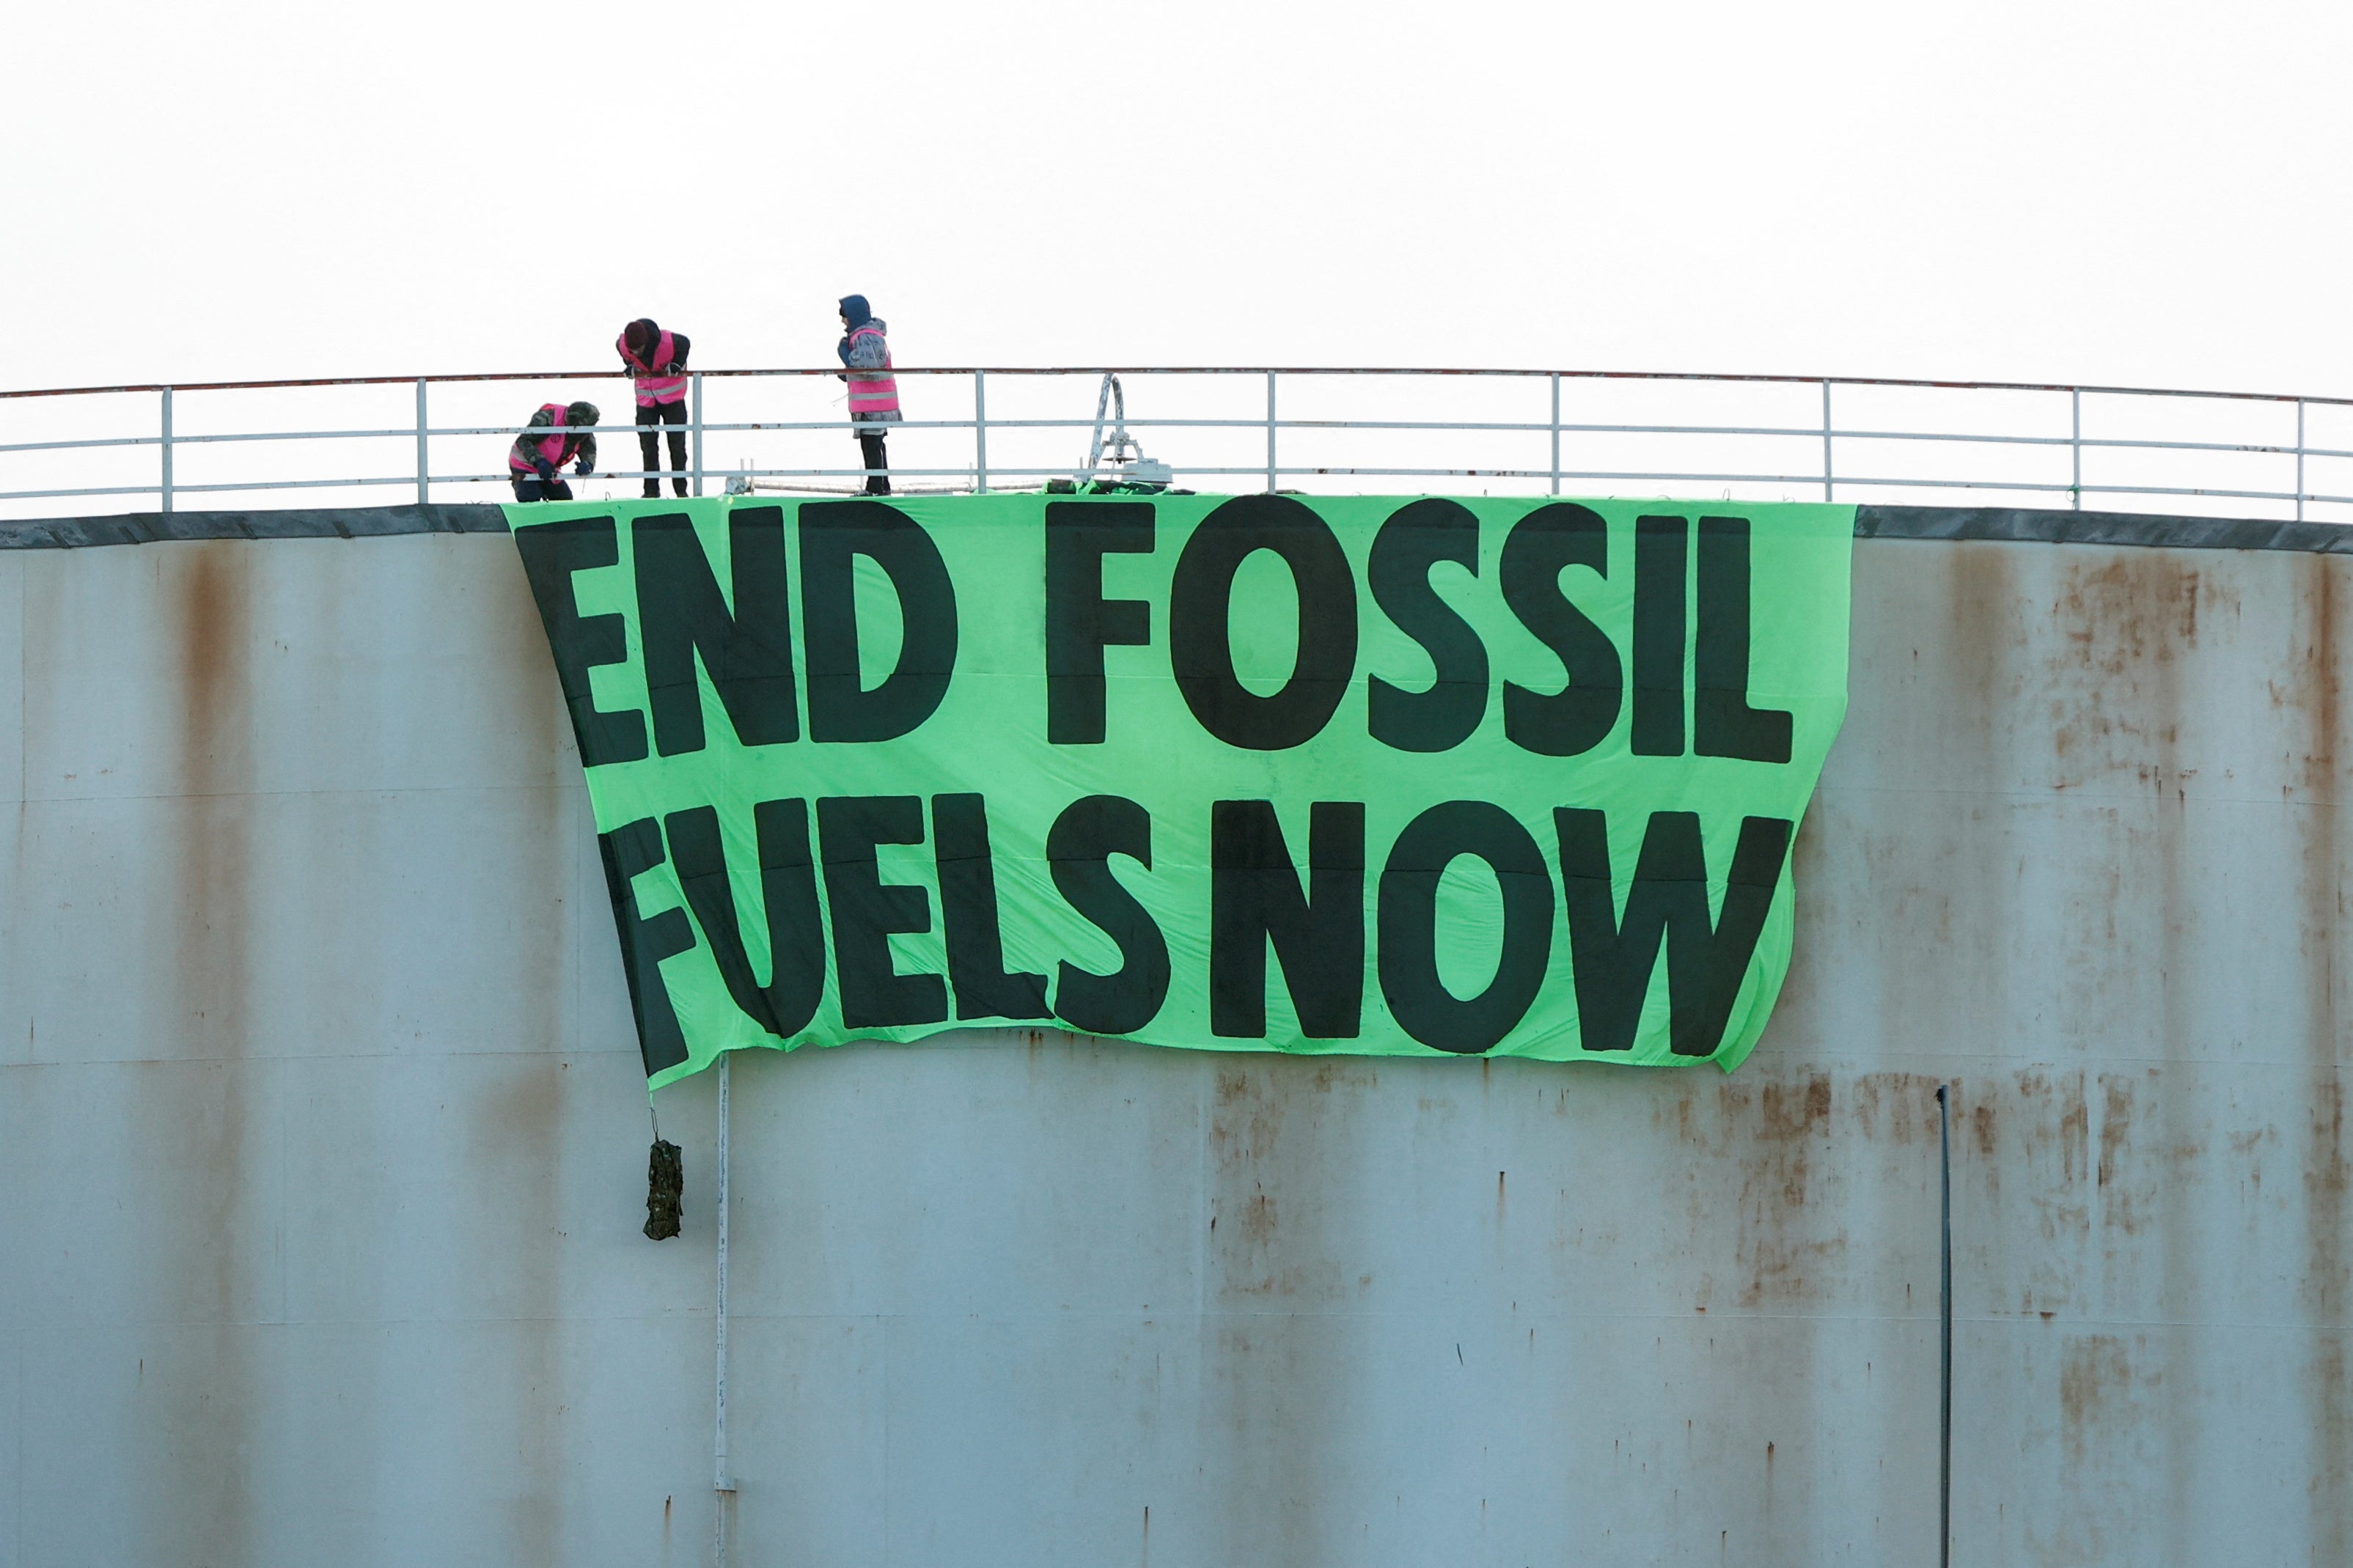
x=698, y=432
x=1944, y=1328
x=1269, y=432
x=2299, y=460
x=980, y=429
x=1555, y=432
x=2076, y=443
x=167, y=448
x=423, y=471
x=1827, y=491
x=722, y=1485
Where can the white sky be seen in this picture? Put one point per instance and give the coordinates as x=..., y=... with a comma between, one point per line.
x=2145, y=192
x=2149, y=193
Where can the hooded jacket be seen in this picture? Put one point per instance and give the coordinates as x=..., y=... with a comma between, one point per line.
x=659, y=377
x=873, y=396
x=542, y=454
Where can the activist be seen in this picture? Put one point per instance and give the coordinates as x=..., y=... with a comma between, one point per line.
x=874, y=395
x=532, y=460
x=657, y=362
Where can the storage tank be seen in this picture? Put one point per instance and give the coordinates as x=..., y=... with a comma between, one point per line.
x=322, y=1136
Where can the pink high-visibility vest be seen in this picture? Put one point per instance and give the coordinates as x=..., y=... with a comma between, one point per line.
x=873, y=392
x=550, y=447
x=653, y=389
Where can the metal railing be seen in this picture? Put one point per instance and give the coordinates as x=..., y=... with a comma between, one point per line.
x=1322, y=428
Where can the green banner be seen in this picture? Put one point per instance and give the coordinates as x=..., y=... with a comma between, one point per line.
x=1400, y=776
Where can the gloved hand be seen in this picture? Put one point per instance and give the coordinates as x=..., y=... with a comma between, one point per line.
x=547, y=471
x=584, y=466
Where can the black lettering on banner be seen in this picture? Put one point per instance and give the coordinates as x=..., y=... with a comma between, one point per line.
x=551, y=552
x=1418, y=998
x=1079, y=850
x=629, y=850
x=1706, y=960
x=867, y=911
x=1199, y=605
x=833, y=533
x=1255, y=900
x=1722, y=724
x=1661, y=554
x=975, y=942
x=1416, y=537
x=788, y=897
x=1080, y=622
x=748, y=652
x=1575, y=719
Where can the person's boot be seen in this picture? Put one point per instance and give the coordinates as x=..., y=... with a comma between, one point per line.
x=679, y=485
x=653, y=489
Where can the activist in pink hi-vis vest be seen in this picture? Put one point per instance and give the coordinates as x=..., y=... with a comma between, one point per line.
x=872, y=393
x=550, y=447
x=654, y=388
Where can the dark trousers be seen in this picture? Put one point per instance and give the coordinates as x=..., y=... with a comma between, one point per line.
x=530, y=486
x=871, y=443
x=649, y=444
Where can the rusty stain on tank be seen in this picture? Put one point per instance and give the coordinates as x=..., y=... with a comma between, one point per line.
x=2127, y=622
x=515, y=1147
x=2125, y=611
x=2324, y=1165
x=209, y=1493
x=1773, y=1127
x=1257, y=1219
x=214, y=848
x=1795, y=1111
x=2115, y=1126
x=548, y=850
x=2092, y=1370
x=1983, y=624
x=1276, y=1122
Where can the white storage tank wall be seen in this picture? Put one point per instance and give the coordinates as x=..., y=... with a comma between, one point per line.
x=322, y=1146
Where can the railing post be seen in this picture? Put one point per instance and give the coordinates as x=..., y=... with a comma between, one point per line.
x=1555, y=432
x=980, y=429
x=1269, y=432
x=2299, y=460
x=2075, y=445
x=697, y=416
x=167, y=449
x=1827, y=491
x=423, y=467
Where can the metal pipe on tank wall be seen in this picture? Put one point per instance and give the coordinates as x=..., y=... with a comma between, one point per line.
x=1945, y=1329
x=722, y=1485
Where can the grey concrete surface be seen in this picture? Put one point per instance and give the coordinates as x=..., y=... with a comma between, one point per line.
x=323, y=1145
